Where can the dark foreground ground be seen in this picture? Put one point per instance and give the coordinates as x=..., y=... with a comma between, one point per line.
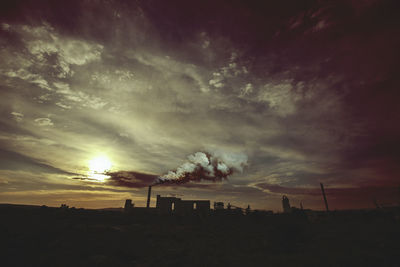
x=55, y=237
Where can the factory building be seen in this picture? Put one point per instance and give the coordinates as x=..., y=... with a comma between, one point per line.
x=168, y=205
x=174, y=205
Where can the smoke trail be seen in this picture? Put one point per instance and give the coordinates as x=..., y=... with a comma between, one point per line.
x=204, y=166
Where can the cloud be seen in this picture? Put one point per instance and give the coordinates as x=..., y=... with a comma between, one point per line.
x=43, y=40
x=16, y=161
x=130, y=179
x=280, y=97
x=217, y=80
x=17, y=116
x=230, y=71
x=247, y=89
x=287, y=190
x=77, y=97
x=64, y=106
x=44, y=122
x=29, y=77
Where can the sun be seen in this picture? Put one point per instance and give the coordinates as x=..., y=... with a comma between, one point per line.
x=100, y=164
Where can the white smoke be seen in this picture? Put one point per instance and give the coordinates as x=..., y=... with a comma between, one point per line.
x=213, y=166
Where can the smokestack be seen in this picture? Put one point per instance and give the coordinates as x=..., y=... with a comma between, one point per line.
x=148, y=197
x=323, y=193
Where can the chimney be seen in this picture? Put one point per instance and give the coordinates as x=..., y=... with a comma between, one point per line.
x=286, y=204
x=148, y=197
x=323, y=193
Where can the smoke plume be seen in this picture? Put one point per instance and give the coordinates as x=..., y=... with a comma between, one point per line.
x=205, y=166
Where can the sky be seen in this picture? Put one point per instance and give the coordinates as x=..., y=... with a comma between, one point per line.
x=233, y=101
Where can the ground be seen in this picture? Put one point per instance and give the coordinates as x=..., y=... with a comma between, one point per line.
x=34, y=236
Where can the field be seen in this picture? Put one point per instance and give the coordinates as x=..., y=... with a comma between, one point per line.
x=36, y=236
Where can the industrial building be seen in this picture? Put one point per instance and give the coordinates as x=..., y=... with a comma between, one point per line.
x=176, y=205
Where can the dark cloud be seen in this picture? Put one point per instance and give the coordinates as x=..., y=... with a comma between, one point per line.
x=11, y=160
x=131, y=179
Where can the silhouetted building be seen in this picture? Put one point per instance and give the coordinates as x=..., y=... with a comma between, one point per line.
x=148, y=197
x=167, y=205
x=218, y=205
x=286, y=204
x=237, y=211
x=248, y=210
x=128, y=205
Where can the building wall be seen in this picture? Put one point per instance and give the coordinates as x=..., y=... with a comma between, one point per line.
x=203, y=206
x=167, y=205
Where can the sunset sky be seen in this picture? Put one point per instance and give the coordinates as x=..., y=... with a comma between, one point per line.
x=99, y=98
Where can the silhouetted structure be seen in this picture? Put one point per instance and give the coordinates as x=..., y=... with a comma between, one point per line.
x=286, y=204
x=248, y=210
x=308, y=238
x=128, y=205
x=148, y=197
x=323, y=193
x=175, y=205
x=218, y=205
x=232, y=209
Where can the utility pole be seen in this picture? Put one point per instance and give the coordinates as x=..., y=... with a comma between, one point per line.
x=323, y=193
x=148, y=197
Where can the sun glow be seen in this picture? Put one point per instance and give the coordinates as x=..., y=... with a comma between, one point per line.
x=98, y=166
